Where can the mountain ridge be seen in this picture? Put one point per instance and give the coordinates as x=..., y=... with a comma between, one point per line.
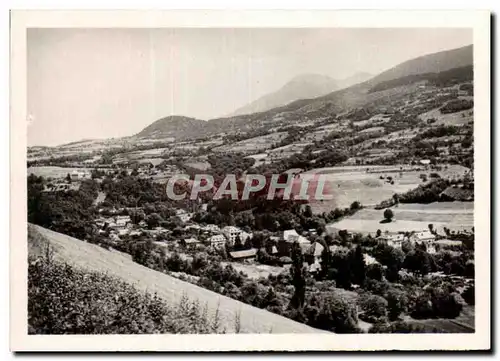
x=303, y=86
x=182, y=127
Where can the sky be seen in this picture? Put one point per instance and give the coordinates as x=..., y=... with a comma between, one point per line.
x=103, y=83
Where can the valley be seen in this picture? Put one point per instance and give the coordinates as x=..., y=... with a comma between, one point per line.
x=391, y=252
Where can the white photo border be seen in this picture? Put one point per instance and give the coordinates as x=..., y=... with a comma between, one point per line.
x=21, y=20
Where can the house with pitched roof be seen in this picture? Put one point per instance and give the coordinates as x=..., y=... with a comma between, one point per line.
x=290, y=237
x=247, y=255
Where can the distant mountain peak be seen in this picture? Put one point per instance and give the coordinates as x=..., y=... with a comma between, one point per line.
x=302, y=86
x=172, y=126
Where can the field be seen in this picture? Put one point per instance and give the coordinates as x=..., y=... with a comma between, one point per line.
x=464, y=323
x=458, y=118
x=148, y=153
x=54, y=172
x=253, y=144
x=92, y=257
x=201, y=165
x=412, y=217
x=255, y=270
x=353, y=183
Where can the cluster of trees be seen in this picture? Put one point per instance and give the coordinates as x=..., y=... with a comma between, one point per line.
x=457, y=106
x=273, y=216
x=210, y=274
x=63, y=161
x=68, y=212
x=228, y=163
x=436, y=302
x=424, y=193
x=468, y=87
x=436, y=132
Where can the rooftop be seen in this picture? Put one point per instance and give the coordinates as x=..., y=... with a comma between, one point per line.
x=244, y=254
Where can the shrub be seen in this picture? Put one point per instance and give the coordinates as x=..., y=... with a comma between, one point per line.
x=388, y=214
x=327, y=312
x=397, y=303
x=66, y=300
x=445, y=304
x=423, y=307
x=436, y=302
x=374, y=308
x=375, y=271
x=400, y=327
x=456, y=106
x=469, y=295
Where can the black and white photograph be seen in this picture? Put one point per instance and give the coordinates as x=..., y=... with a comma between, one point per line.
x=314, y=181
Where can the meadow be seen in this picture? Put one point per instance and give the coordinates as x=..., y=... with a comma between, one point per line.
x=456, y=216
x=353, y=183
x=55, y=172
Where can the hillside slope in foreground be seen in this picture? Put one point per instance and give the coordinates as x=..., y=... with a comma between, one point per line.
x=92, y=257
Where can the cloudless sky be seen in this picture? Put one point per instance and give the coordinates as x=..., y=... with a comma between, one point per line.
x=102, y=83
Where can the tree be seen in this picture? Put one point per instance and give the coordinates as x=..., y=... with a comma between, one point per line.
x=400, y=327
x=325, y=261
x=327, y=312
x=379, y=233
x=343, y=276
x=355, y=206
x=407, y=246
x=298, y=277
x=375, y=271
x=328, y=239
x=358, y=266
x=431, y=228
x=469, y=270
x=137, y=217
x=419, y=261
x=308, y=212
x=68, y=178
x=388, y=256
x=374, y=308
x=469, y=295
x=271, y=301
x=238, y=244
x=397, y=303
x=153, y=220
x=444, y=303
x=388, y=215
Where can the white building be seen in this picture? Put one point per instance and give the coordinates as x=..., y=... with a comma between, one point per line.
x=231, y=232
x=289, y=238
x=423, y=236
x=190, y=243
x=76, y=175
x=291, y=235
x=211, y=228
x=217, y=241
x=183, y=215
x=122, y=221
x=394, y=240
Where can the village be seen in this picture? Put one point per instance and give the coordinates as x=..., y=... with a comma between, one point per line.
x=392, y=249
